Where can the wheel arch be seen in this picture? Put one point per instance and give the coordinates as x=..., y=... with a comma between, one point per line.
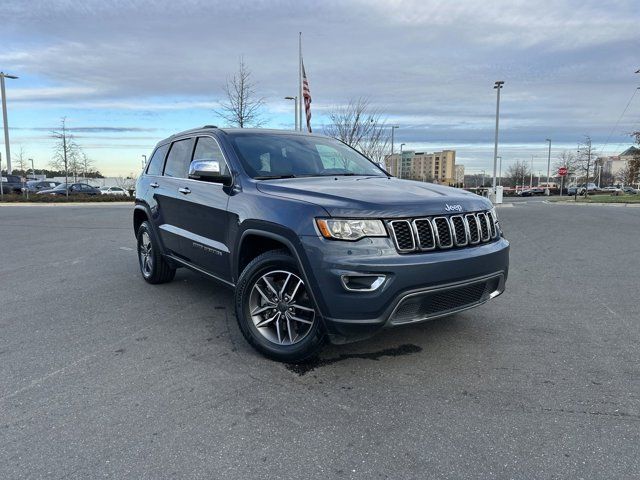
x=278, y=237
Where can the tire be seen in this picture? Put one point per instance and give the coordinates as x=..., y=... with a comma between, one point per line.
x=275, y=311
x=153, y=266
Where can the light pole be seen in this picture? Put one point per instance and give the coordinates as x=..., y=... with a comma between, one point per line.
x=401, y=160
x=144, y=162
x=295, y=108
x=531, y=175
x=393, y=128
x=497, y=86
x=4, y=118
x=547, y=192
x=500, y=175
x=33, y=170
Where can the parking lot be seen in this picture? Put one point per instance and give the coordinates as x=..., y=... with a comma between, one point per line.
x=103, y=375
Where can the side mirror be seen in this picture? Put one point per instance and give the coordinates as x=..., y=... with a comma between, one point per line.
x=208, y=170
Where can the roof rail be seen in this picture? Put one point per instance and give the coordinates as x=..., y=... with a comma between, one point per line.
x=210, y=126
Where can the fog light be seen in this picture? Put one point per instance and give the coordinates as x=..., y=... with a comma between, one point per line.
x=362, y=282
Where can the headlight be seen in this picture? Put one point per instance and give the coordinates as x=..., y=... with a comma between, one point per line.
x=343, y=229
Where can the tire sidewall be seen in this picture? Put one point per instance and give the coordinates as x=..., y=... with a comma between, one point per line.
x=300, y=351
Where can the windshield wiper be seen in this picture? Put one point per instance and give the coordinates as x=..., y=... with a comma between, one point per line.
x=273, y=177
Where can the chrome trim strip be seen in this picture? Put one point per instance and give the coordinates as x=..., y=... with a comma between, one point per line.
x=374, y=286
x=194, y=237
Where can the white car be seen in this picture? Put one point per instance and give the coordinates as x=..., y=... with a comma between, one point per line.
x=114, y=191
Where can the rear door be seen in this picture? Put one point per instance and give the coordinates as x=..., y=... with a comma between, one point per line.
x=169, y=200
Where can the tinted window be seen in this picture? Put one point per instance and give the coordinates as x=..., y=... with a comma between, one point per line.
x=265, y=155
x=179, y=159
x=207, y=149
x=157, y=160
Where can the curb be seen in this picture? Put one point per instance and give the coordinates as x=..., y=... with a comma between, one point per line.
x=619, y=205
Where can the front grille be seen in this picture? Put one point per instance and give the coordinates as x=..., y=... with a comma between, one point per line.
x=443, y=232
x=403, y=235
x=438, y=302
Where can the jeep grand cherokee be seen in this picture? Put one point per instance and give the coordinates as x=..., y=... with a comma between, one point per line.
x=318, y=242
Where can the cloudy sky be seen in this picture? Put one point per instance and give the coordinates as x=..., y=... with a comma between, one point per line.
x=128, y=73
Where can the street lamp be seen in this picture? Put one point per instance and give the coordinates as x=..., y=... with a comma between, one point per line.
x=144, y=162
x=497, y=86
x=546, y=192
x=393, y=128
x=4, y=118
x=500, y=174
x=295, y=109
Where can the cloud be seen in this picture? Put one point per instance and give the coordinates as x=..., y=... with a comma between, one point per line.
x=429, y=65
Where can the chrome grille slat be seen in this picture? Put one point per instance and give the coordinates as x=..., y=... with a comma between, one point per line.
x=424, y=233
x=460, y=230
x=443, y=232
x=442, y=229
x=403, y=235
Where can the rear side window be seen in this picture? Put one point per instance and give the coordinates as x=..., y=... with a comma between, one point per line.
x=207, y=149
x=179, y=159
x=157, y=160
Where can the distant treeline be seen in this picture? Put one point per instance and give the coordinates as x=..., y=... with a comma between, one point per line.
x=53, y=173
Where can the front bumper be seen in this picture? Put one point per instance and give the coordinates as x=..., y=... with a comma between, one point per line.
x=417, y=286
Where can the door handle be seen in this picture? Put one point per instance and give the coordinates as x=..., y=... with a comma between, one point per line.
x=184, y=190
x=154, y=185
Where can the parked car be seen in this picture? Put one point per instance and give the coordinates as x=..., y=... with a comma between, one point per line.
x=73, y=188
x=531, y=192
x=612, y=190
x=317, y=241
x=580, y=189
x=11, y=184
x=630, y=190
x=34, y=186
x=114, y=191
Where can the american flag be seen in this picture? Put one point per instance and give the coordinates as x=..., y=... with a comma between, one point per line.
x=306, y=95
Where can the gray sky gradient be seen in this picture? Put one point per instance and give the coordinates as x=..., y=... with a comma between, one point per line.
x=428, y=65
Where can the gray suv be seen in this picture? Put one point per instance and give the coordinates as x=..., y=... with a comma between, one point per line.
x=317, y=241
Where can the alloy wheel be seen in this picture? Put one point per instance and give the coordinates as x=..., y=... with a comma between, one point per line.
x=280, y=307
x=145, y=252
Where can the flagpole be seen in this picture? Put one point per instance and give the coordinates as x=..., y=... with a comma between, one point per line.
x=300, y=99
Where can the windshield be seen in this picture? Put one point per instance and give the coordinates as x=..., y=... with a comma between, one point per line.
x=62, y=186
x=265, y=156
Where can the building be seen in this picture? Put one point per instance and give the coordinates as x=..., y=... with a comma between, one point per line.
x=459, y=176
x=613, y=165
x=437, y=167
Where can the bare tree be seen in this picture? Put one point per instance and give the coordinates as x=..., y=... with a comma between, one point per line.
x=361, y=127
x=517, y=173
x=87, y=164
x=22, y=162
x=128, y=183
x=66, y=151
x=585, y=160
x=243, y=106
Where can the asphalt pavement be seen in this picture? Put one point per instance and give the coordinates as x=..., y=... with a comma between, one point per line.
x=105, y=376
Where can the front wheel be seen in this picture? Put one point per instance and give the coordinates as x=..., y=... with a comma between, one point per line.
x=275, y=311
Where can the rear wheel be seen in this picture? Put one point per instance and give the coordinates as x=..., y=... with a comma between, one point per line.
x=153, y=266
x=275, y=311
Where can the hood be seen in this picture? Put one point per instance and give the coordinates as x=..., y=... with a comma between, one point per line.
x=379, y=197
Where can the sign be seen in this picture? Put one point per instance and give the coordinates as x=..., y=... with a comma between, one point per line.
x=562, y=171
